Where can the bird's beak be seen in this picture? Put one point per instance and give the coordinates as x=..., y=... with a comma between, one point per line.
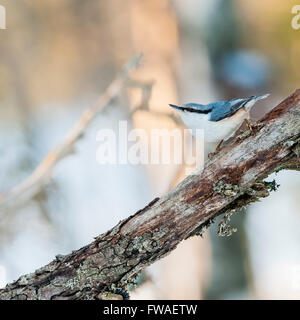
x=262, y=97
x=174, y=106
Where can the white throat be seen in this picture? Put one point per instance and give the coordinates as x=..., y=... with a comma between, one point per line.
x=213, y=131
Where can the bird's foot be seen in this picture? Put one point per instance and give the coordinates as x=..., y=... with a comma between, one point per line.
x=211, y=155
x=253, y=126
x=249, y=124
x=218, y=148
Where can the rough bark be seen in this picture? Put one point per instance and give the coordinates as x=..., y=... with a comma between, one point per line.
x=232, y=179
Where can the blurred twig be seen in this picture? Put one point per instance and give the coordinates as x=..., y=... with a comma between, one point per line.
x=146, y=88
x=42, y=174
x=27, y=189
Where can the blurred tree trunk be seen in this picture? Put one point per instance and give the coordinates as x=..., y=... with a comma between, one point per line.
x=230, y=267
x=154, y=33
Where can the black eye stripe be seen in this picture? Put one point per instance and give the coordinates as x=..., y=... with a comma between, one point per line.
x=196, y=111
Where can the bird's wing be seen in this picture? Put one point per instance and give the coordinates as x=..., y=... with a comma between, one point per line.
x=225, y=109
x=194, y=107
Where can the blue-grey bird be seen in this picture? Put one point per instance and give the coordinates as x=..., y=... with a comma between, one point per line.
x=220, y=119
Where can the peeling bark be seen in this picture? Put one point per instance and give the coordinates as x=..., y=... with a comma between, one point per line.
x=232, y=179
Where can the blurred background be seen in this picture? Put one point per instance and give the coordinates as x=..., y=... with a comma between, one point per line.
x=58, y=56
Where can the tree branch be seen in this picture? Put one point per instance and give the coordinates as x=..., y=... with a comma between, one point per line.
x=42, y=174
x=230, y=180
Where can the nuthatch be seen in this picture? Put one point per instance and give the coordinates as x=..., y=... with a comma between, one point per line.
x=219, y=120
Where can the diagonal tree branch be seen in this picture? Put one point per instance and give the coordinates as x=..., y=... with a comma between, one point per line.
x=230, y=180
x=42, y=174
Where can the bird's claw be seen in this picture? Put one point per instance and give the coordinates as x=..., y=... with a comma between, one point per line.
x=211, y=154
x=253, y=126
x=218, y=148
x=249, y=124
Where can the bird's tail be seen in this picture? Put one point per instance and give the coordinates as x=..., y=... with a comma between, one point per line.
x=254, y=99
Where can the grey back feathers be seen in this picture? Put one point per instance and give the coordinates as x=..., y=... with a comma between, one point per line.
x=221, y=109
x=225, y=109
x=197, y=108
